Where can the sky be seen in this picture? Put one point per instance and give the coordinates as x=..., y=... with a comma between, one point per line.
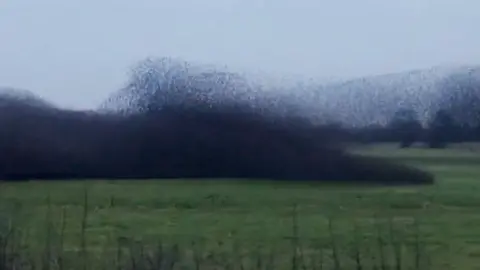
x=76, y=53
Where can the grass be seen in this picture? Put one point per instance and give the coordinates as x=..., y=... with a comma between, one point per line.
x=263, y=225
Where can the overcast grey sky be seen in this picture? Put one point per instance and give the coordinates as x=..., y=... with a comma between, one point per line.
x=75, y=53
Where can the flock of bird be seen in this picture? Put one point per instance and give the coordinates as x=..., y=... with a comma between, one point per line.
x=355, y=102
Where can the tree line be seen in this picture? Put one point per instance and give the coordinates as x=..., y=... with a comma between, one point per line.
x=406, y=129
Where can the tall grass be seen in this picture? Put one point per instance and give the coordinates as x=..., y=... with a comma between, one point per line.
x=385, y=248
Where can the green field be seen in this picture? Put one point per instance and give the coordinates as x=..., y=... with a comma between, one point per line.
x=260, y=224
